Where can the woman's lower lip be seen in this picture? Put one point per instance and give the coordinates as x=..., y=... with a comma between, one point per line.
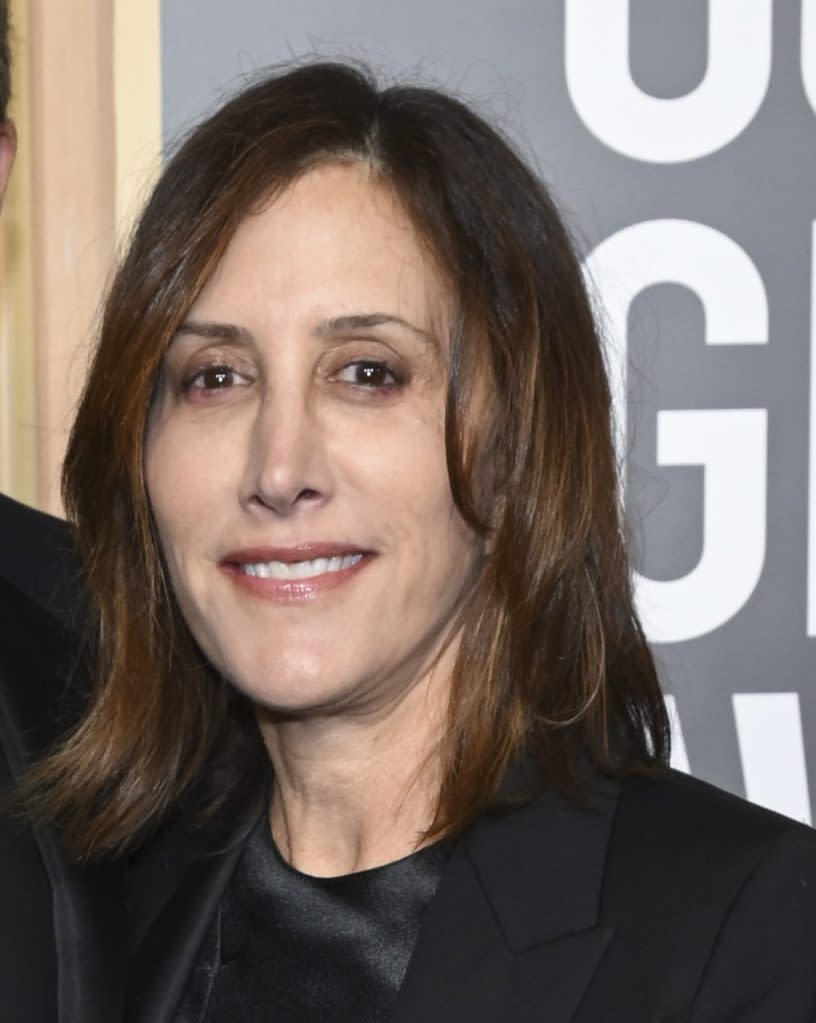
x=294, y=590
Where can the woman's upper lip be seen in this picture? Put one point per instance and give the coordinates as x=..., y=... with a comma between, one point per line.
x=297, y=552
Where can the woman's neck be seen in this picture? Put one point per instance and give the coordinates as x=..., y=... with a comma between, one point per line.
x=354, y=791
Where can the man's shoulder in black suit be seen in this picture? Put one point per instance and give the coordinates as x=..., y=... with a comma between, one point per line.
x=37, y=557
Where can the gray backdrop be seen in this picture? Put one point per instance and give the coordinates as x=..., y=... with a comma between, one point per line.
x=680, y=138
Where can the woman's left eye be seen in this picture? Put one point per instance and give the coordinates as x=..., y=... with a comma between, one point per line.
x=369, y=373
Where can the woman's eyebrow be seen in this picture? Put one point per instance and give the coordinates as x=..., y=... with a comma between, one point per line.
x=362, y=321
x=216, y=331
x=231, y=332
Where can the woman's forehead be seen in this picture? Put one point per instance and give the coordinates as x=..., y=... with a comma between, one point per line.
x=338, y=241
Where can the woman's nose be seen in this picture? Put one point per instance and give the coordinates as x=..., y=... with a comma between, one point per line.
x=287, y=464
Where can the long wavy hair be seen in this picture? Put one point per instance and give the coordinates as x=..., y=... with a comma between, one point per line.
x=554, y=666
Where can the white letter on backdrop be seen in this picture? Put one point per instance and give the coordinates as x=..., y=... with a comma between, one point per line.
x=679, y=756
x=809, y=50
x=626, y=119
x=811, y=569
x=772, y=751
x=730, y=444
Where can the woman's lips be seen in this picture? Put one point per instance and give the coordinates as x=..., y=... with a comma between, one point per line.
x=298, y=573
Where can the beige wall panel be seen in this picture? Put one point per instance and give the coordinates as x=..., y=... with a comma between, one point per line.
x=87, y=104
x=19, y=470
x=73, y=205
x=137, y=97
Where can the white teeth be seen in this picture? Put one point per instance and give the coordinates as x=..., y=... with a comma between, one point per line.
x=300, y=569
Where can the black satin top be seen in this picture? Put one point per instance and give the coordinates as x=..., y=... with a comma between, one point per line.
x=296, y=948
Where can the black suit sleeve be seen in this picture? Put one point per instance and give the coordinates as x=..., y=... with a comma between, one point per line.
x=762, y=968
x=37, y=557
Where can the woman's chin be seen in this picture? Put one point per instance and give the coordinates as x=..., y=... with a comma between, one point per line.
x=294, y=695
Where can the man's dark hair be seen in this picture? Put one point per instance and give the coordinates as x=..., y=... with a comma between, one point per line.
x=5, y=60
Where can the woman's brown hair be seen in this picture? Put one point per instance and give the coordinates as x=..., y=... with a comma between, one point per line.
x=554, y=666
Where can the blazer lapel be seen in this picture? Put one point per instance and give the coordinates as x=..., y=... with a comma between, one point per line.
x=195, y=879
x=38, y=699
x=512, y=932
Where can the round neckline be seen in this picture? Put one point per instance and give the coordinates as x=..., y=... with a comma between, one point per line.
x=367, y=873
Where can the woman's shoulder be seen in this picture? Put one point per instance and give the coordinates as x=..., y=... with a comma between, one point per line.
x=724, y=890
x=688, y=821
x=711, y=904
x=680, y=838
x=678, y=800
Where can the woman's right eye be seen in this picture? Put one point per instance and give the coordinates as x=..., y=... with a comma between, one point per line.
x=212, y=379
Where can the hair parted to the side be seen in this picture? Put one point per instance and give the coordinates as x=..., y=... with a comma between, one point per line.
x=5, y=60
x=555, y=665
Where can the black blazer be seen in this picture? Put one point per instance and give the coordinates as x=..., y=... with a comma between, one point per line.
x=49, y=970
x=62, y=930
x=666, y=900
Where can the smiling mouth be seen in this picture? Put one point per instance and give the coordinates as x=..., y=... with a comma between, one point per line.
x=307, y=569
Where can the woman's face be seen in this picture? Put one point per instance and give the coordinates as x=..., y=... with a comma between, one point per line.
x=295, y=455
